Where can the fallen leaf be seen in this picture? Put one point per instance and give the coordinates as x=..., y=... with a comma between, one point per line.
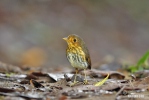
x=102, y=81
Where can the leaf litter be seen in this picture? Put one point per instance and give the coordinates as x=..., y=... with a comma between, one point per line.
x=56, y=85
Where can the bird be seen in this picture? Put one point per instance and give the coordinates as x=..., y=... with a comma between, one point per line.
x=77, y=54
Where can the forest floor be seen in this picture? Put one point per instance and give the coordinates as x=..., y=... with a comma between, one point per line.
x=31, y=84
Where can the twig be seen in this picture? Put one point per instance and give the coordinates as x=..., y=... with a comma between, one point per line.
x=120, y=90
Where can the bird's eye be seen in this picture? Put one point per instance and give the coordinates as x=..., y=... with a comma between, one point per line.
x=74, y=40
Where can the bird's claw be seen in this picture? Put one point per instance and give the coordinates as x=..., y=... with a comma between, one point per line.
x=72, y=84
x=85, y=82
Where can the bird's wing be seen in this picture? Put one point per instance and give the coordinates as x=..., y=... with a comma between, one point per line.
x=87, y=57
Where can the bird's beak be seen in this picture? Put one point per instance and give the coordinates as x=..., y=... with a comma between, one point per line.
x=65, y=38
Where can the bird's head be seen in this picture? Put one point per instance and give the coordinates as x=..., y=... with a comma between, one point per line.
x=73, y=40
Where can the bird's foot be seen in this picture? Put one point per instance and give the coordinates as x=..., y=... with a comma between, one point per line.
x=72, y=84
x=85, y=82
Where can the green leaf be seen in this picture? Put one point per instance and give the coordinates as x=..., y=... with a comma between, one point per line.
x=141, y=64
x=144, y=59
x=132, y=68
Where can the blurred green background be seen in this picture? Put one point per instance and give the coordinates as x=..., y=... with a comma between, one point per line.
x=31, y=31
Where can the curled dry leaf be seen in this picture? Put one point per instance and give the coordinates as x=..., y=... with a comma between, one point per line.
x=36, y=84
x=39, y=74
x=100, y=74
x=6, y=90
x=141, y=74
x=31, y=76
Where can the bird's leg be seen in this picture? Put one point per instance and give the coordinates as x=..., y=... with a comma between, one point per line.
x=76, y=75
x=85, y=79
x=74, y=82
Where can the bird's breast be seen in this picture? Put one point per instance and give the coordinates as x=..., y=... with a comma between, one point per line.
x=77, y=60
